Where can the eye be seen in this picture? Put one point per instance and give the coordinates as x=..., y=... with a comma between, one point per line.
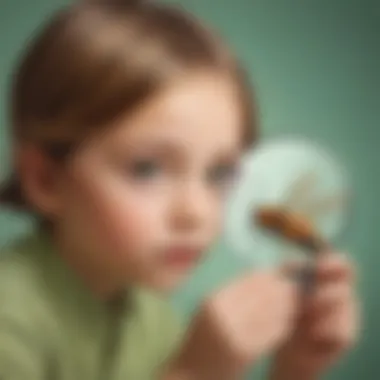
x=144, y=169
x=223, y=175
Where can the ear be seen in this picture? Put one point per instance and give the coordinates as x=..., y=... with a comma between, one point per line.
x=39, y=176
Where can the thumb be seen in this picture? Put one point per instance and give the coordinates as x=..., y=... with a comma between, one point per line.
x=303, y=273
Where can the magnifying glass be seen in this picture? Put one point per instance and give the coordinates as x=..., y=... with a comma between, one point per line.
x=292, y=201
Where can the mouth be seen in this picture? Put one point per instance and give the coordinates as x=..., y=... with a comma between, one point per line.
x=182, y=256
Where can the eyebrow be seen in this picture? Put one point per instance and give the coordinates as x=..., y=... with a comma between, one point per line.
x=225, y=153
x=160, y=146
x=228, y=157
x=167, y=148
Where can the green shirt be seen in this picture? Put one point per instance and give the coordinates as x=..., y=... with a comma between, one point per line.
x=52, y=328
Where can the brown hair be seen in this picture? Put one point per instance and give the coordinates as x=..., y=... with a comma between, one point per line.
x=96, y=60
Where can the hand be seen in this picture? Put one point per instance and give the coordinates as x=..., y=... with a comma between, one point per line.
x=328, y=325
x=236, y=326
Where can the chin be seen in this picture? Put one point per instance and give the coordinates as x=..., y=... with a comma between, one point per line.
x=167, y=283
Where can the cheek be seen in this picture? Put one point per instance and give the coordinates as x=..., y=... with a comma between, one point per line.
x=217, y=218
x=128, y=220
x=119, y=218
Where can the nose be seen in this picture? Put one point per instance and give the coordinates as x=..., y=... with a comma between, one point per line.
x=192, y=207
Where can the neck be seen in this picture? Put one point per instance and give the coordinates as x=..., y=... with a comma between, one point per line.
x=100, y=279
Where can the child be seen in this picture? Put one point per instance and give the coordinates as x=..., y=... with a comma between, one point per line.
x=128, y=120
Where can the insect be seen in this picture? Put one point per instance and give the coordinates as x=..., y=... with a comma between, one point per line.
x=295, y=219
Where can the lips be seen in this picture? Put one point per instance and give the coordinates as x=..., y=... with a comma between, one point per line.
x=182, y=256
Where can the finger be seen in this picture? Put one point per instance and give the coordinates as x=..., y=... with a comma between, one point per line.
x=302, y=274
x=334, y=267
x=340, y=330
x=336, y=306
x=327, y=299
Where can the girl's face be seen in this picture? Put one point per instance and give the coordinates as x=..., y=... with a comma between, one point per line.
x=144, y=200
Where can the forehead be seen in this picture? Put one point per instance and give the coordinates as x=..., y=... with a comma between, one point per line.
x=199, y=111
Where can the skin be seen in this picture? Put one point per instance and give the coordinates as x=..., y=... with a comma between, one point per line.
x=327, y=326
x=157, y=180
x=151, y=181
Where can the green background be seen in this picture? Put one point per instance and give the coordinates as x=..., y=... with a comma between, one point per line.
x=315, y=66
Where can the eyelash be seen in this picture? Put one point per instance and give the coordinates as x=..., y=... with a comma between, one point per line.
x=144, y=169
x=222, y=175
x=219, y=176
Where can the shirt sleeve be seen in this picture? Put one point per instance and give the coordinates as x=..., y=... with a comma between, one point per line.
x=20, y=355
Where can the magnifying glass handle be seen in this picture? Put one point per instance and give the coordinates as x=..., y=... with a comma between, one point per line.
x=307, y=275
